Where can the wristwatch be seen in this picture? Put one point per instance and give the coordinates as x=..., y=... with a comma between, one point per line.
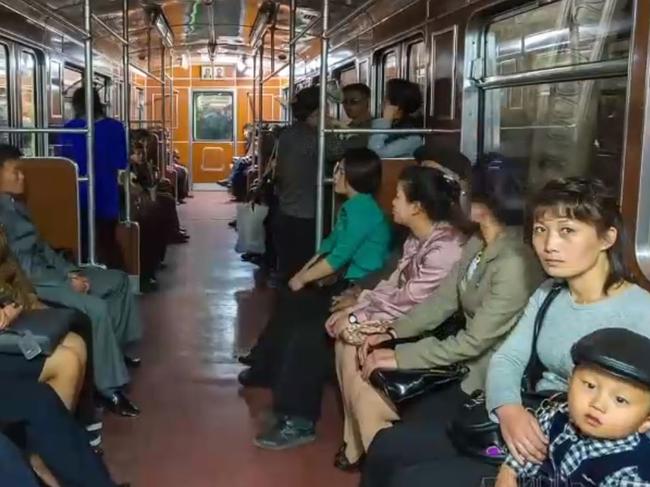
x=352, y=319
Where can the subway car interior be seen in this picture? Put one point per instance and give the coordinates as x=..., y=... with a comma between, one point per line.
x=312, y=242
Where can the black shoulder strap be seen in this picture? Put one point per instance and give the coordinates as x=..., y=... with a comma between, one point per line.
x=535, y=368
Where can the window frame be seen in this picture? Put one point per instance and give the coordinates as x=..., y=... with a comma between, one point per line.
x=231, y=93
x=454, y=72
x=477, y=83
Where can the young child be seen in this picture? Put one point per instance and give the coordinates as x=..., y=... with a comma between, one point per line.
x=598, y=436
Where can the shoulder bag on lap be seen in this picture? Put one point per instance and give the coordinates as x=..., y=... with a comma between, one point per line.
x=403, y=386
x=473, y=433
x=36, y=332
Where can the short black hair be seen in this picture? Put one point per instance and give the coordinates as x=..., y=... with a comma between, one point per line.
x=79, y=103
x=361, y=88
x=305, y=103
x=448, y=157
x=9, y=152
x=404, y=94
x=363, y=170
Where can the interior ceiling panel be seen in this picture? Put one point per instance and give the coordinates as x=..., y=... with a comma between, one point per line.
x=229, y=22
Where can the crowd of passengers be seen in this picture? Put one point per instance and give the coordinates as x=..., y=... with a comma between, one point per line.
x=54, y=395
x=464, y=281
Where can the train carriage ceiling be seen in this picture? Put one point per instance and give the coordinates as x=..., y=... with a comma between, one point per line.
x=193, y=23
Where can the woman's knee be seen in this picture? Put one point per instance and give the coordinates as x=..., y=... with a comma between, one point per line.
x=76, y=344
x=63, y=363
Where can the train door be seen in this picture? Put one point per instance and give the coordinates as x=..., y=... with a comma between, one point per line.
x=5, y=113
x=213, y=133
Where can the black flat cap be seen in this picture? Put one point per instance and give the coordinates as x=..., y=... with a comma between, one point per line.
x=617, y=350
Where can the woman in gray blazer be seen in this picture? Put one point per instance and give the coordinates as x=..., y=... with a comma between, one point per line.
x=490, y=285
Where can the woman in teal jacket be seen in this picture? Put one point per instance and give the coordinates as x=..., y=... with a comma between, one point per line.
x=361, y=237
x=358, y=245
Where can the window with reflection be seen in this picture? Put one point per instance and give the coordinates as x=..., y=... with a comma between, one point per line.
x=560, y=126
x=72, y=80
x=4, y=91
x=28, y=100
x=346, y=77
x=389, y=70
x=417, y=65
x=213, y=115
x=363, y=73
x=560, y=34
x=443, y=57
x=56, y=100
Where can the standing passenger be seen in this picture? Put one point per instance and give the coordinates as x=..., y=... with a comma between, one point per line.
x=110, y=156
x=296, y=178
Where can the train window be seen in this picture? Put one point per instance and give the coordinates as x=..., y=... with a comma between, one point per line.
x=538, y=123
x=56, y=99
x=388, y=70
x=137, y=104
x=560, y=34
x=363, y=72
x=4, y=91
x=28, y=100
x=417, y=64
x=347, y=76
x=72, y=80
x=443, y=57
x=563, y=129
x=213, y=115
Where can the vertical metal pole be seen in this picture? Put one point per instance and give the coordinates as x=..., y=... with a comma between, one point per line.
x=254, y=107
x=90, y=135
x=260, y=110
x=163, y=139
x=190, y=123
x=292, y=58
x=172, y=114
x=126, y=105
x=324, y=48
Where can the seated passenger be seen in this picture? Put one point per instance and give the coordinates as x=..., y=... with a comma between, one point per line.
x=490, y=285
x=356, y=103
x=357, y=246
x=427, y=204
x=104, y=295
x=64, y=369
x=14, y=472
x=454, y=165
x=52, y=434
x=578, y=236
x=607, y=416
x=110, y=155
x=402, y=102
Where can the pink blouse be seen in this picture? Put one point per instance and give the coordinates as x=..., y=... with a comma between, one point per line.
x=421, y=269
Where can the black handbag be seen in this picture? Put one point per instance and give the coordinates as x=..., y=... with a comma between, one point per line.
x=36, y=332
x=473, y=433
x=402, y=386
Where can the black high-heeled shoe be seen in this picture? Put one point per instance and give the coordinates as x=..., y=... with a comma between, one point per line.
x=342, y=463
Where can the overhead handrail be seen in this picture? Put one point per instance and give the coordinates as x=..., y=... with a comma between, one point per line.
x=41, y=130
x=413, y=131
x=109, y=29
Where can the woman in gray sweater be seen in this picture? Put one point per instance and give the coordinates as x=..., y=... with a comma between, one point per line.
x=577, y=235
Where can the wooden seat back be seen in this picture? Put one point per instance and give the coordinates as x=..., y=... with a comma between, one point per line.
x=52, y=197
x=391, y=169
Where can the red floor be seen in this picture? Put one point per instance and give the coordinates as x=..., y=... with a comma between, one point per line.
x=196, y=425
